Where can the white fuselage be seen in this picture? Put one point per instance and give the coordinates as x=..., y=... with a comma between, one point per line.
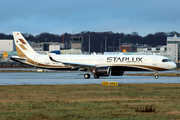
x=143, y=62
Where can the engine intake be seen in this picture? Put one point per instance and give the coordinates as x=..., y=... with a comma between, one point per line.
x=102, y=71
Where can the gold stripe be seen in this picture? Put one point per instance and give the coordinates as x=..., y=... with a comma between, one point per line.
x=22, y=41
x=20, y=53
x=152, y=67
x=22, y=46
x=143, y=66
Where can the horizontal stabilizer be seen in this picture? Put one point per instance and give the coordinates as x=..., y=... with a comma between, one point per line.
x=16, y=58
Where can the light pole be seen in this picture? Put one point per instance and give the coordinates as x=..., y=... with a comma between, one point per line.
x=101, y=47
x=175, y=50
x=113, y=46
x=89, y=42
x=105, y=43
x=119, y=44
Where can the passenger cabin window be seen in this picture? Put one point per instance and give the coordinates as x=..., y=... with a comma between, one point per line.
x=166, y=60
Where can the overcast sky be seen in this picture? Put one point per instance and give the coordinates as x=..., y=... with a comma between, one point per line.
x=74, y=16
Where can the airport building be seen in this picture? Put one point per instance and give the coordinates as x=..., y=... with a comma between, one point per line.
x=47, y=46
x=37, y=46
x=173, y=46
x=6, y=48
x=157, y=49
x=7, y=45
x=76, y=42
x=128, y=47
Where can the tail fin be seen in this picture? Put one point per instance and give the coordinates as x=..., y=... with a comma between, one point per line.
x=22, y=46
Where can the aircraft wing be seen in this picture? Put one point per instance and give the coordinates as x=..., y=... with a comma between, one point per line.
x=76, y=65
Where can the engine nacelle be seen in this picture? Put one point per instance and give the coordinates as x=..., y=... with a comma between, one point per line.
x=102, y=71
x=116, y=71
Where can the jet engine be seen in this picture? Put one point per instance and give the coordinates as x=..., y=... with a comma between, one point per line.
x=106, y=71
x=116, y=71
x=102, y=71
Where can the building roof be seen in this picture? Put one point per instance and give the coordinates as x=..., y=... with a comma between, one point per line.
x=175, y=37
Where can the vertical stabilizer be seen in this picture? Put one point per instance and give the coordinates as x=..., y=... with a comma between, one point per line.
x=22, y=46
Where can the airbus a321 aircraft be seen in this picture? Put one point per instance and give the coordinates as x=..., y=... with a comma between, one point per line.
x=99, y=65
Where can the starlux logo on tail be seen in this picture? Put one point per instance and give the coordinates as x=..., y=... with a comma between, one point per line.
x=124, y=59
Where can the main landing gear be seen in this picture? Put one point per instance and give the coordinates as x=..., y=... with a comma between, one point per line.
x=96, y=76
x=87, y=76
x=156, y=74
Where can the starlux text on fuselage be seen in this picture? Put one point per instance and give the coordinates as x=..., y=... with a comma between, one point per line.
x=124, y=59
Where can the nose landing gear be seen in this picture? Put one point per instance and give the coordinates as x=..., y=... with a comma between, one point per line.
x=156, y=74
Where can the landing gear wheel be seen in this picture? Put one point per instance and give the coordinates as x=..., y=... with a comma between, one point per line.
x=96, y=76
x=156, y=76
x=87, y=76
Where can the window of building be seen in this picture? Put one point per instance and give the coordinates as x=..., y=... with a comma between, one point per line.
x=157, y=48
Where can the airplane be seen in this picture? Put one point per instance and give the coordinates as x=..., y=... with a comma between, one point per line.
x=98, y=65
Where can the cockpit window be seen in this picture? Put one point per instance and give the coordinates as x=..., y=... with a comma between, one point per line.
x=166, y=60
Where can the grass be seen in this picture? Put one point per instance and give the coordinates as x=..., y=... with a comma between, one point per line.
x=89, y=101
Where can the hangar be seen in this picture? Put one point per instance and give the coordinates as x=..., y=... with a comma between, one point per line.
x=173, y=45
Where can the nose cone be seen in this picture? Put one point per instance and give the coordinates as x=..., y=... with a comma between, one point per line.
x=173, y=66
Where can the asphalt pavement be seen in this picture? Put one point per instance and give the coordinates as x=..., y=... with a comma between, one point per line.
x=68, y=77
